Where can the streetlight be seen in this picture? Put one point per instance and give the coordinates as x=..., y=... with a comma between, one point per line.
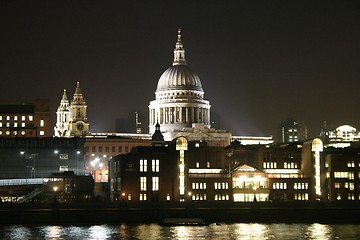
x=77, y=162
x=93, y=164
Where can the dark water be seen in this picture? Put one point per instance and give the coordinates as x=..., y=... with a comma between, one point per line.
x=153, y=231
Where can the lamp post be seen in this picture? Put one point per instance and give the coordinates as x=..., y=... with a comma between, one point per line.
x=77, y=162
x=93, y=164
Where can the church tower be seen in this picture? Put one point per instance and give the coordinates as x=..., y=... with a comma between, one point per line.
x=61, y=128
x=78, y=124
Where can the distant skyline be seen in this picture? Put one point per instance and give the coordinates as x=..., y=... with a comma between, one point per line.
x=259, y=62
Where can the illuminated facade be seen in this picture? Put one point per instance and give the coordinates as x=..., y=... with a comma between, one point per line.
x=176, y=172
x=179, y=97
x=26, y=120
x=292, y=131
x=72, y=118
x=99, y=149
x=342, y=174
x=250, y=184
x=340, y=137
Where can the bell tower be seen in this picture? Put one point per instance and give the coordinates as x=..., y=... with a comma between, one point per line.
x=78, y=124
x=61, y=128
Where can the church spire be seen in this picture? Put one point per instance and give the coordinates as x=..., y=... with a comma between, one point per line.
x=78, y=98
x=179, y=51
x=78, y=90
x=64, y=97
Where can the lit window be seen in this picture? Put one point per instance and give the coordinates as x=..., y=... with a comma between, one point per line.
x=197, y=164
x=23, y=124
x=155, y=165
x=143, y=165
x=63, y=156
x=143, y=184
x=41, y=123
x=341, y=174
x=351, y=175
x=338, y=197
x=0, y=124
x=197, y=145
x=208, y=164
x=155, y=183
x=15, y=125
x=15, y=133
x=0, y=132
x=63, y=168
x=7, y=118
x=15, y=118
x=22, y=118
x=7, y=132
x=351, y=164
x=23, y=133
x=31, y=118
x=143, y=197
x=0, y=118
x=7, y=124
x=167, y=197
x=42, y=133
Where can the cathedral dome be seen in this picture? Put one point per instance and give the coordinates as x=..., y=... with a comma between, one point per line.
x=179, y=77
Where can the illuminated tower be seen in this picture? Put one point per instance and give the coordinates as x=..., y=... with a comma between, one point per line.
x=61, y=128
x=179, y=97
x=78, y=124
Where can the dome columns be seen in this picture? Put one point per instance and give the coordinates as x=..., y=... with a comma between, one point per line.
x=184, y=115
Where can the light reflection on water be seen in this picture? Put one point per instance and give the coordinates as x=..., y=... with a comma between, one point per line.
x=154, y=231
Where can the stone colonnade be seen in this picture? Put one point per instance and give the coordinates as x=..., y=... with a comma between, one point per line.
x=166, y=115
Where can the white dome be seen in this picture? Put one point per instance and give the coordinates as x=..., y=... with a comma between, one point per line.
x=179, y=77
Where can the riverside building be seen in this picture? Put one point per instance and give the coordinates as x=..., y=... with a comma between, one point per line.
x=26, y=120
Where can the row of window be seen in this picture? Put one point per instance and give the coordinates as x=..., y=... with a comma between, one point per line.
x=222, y=197
x=217, y=186
x=155, y=165
x=350, y=196
x=23, y=133
x=16, y=118
x=301, y=196
x=301, y=186
x=198, y=197
x=198, y=164
x=197, y=186
x=350, y=164
x=154, y=184
x=280, y=185
x=348, y=185
x=290, y=165
x=269, y=165
x=16, y=124
x=107, y=149
x=349, y=175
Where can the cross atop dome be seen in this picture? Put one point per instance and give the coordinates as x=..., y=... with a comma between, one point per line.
x=179, y=51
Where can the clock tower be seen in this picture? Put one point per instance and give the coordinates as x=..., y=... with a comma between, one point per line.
x=78, y=124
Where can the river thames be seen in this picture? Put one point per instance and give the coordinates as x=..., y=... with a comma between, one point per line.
x=213, y=231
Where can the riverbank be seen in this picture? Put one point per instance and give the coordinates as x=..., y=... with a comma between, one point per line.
x=99, y=213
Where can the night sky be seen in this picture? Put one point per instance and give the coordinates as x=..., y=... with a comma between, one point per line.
x=259, y=62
